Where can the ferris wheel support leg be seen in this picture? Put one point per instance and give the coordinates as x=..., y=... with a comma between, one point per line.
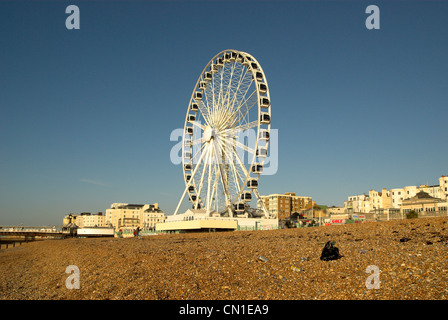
x=206, y=163
x=189, y=183
x=263, y=207
x=224, y=184
x=209, y=185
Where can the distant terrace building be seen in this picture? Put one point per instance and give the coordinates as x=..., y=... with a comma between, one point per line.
x=394, y=199
x=131, y=216
x=85, y=220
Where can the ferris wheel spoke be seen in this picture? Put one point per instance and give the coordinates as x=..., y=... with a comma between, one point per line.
x=226, y=98
x=198, y=124
x=242, y=127
x=208, y=199
x=239, y=183
x=204, y=112
x=214, y=193
x=242, y=97
x=242, y=166
x=189, y=183
x=199, y=141
x=204, y=169
x=236, y=120
x=231, y=104
x=221, y=174
x=244, y=147
x=197, y=153
x=233, y=176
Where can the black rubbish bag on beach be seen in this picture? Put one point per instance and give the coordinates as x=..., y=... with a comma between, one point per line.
x=330, y=252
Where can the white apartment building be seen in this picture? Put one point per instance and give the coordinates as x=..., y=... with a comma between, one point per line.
x=86, y=220
x=91, y=220
x=131, y=216
x=397, y=196
x=358, y=203
x=443, y=182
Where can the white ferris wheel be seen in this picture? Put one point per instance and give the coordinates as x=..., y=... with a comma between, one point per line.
x=226, y=136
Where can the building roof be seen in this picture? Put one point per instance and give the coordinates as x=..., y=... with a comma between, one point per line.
x=421, y=196
x=153, y=208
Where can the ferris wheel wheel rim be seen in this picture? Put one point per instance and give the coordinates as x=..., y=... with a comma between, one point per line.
x=254, y=157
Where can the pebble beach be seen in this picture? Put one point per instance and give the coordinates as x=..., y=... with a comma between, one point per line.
x=411, y=256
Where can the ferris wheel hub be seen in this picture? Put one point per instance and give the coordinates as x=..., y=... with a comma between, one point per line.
x=209, y=133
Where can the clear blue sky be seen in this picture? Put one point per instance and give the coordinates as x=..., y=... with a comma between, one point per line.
x=86, y=115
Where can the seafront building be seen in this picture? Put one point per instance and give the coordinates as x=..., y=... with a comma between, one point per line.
x=283, y=205
x=424, y=204
x=127, y=216
x=401, y=200
x=85, y=220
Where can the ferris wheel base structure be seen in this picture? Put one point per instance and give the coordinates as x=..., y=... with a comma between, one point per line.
x=197, y=220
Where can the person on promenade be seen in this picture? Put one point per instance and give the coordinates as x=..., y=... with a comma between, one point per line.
x=137, y=233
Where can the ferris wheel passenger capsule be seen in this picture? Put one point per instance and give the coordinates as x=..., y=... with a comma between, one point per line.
x=188, y=143
x=207, y=76
x=187, y=167
x=202, y=85
x=239, y=207
x=227, y=56
x=246, y=196
x=258, y=76
x=213, y=68
x=265, y=118
x=257, y=168
x=187, y=154
x=189, y=130
x=191, y=117
x=264, y=102
x=219, y=62
x=198, y=95
x=194, y=106
x=262, y=88
x=191, y=189
x=254, y=65
x=263, y=135
x=188, y=177
x=193, y=197
x=252, y=183
x=262, y=152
